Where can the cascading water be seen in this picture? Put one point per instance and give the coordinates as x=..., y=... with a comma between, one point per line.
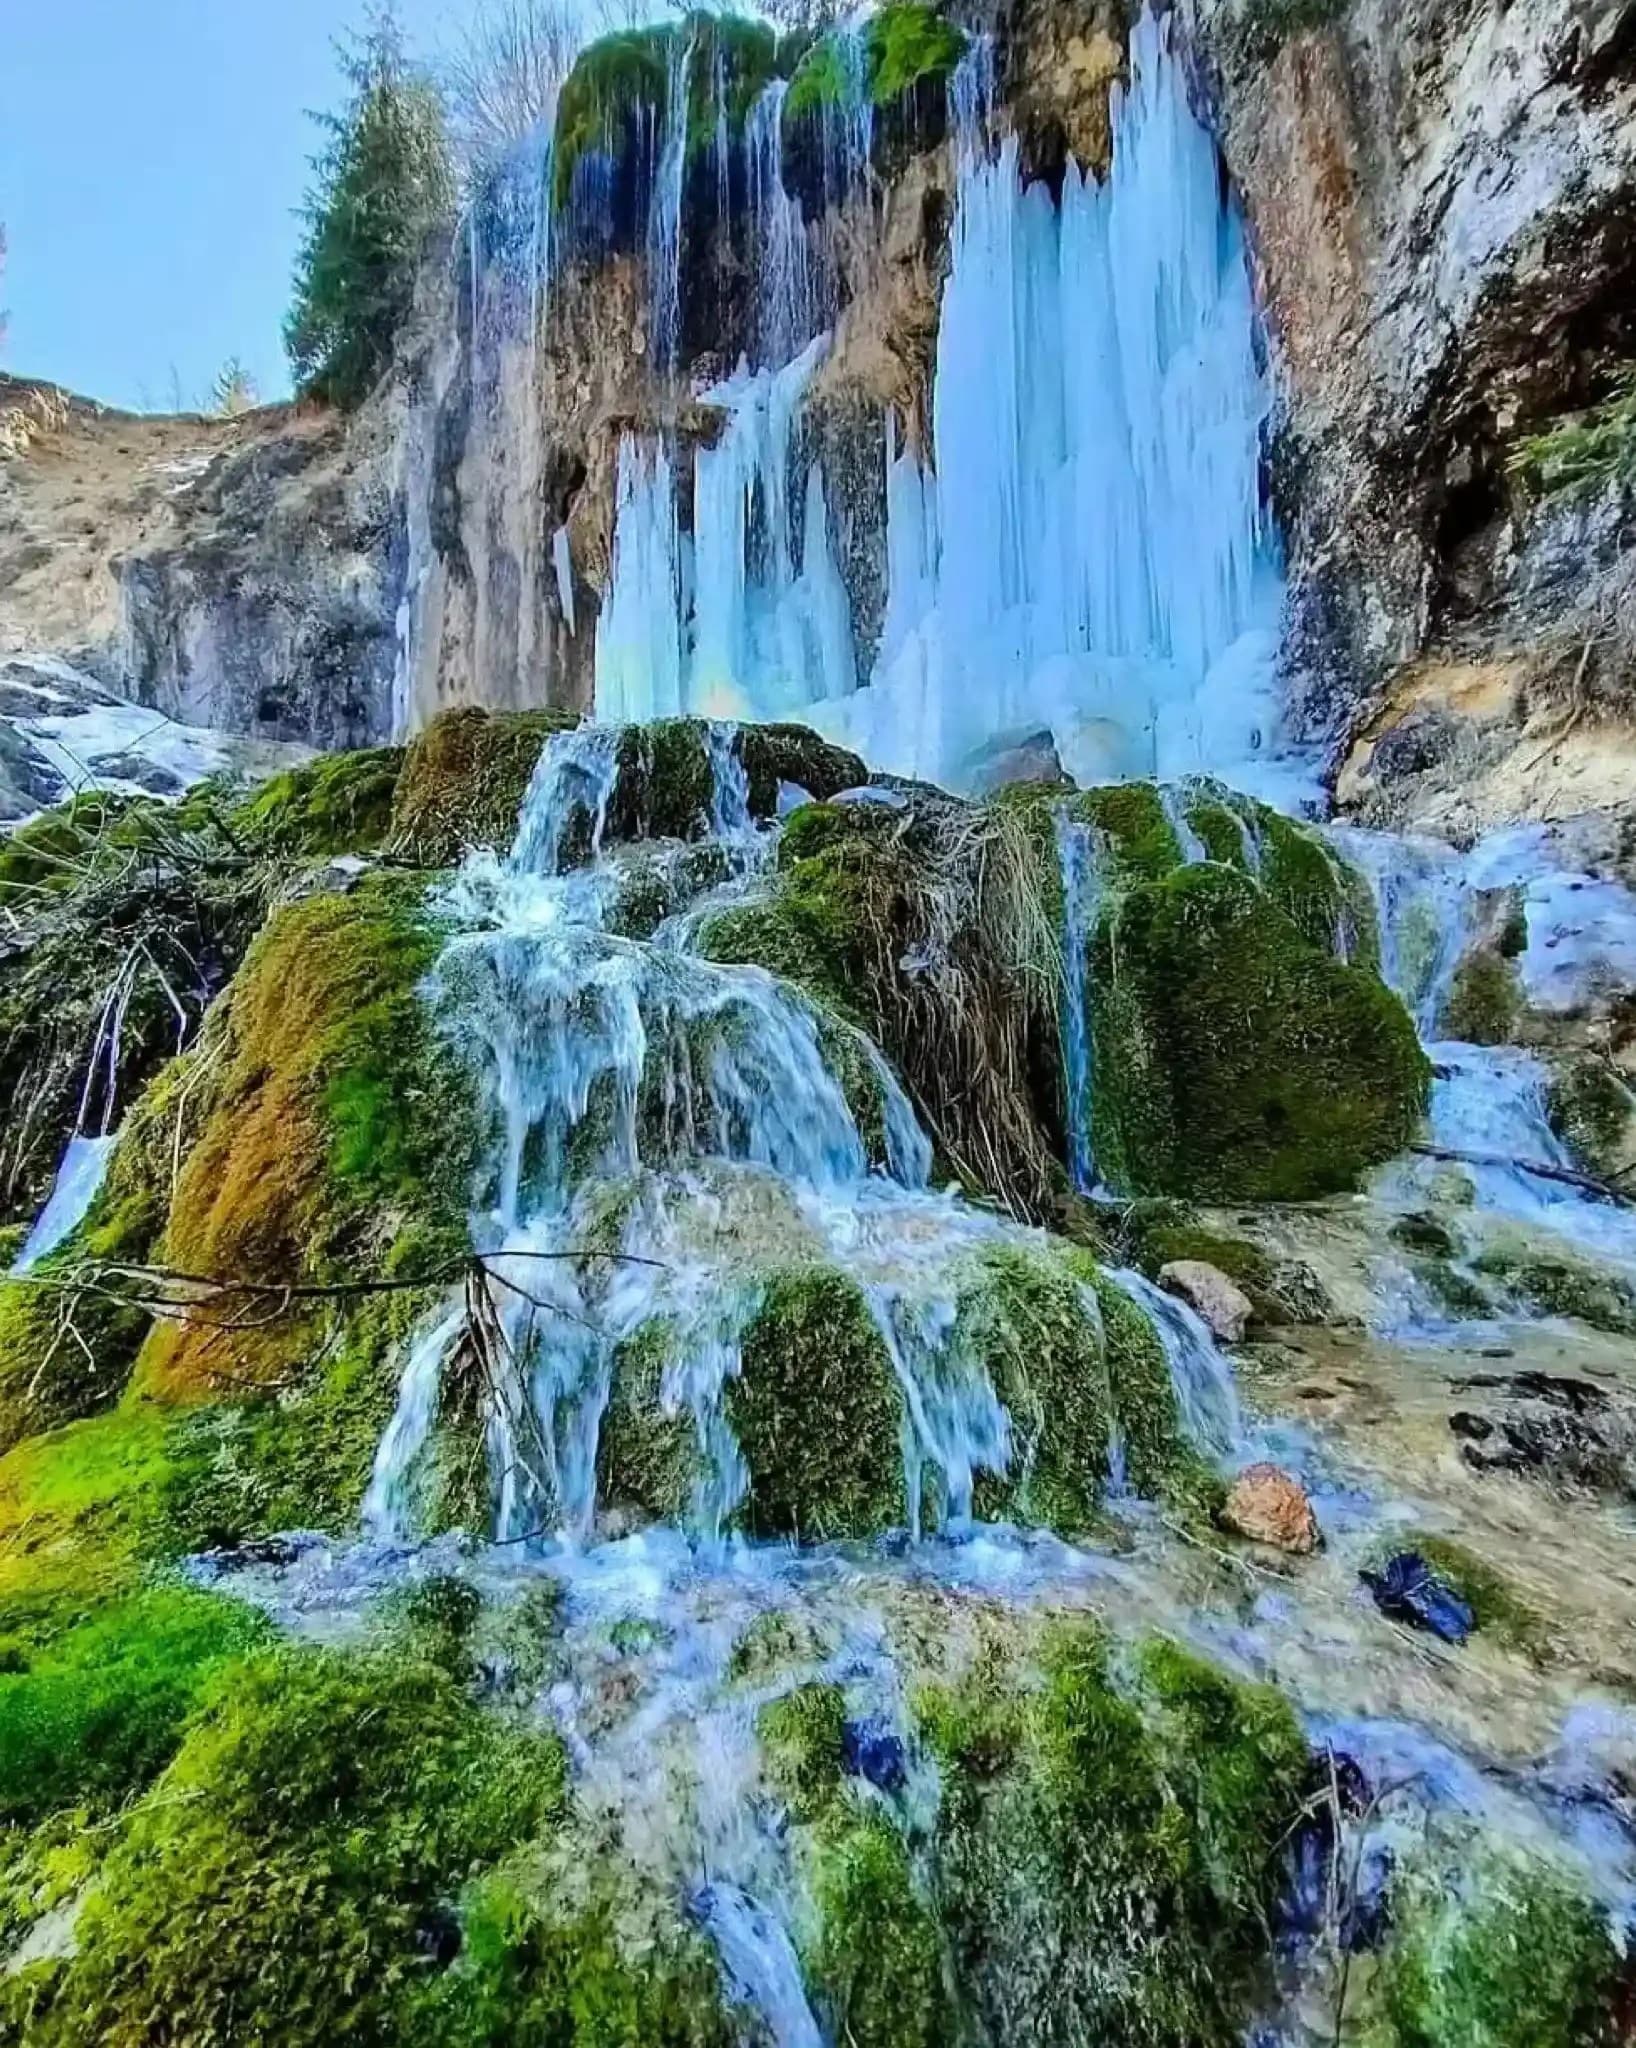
x=1079, y=856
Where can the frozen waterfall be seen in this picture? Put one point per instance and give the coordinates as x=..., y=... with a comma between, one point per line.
x=1085, y=552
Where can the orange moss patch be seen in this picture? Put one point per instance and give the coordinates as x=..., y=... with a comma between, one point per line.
x=338, y=1128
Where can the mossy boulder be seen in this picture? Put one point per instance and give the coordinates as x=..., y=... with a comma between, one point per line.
x=1592, y=1109
x=340, y=803
x=286, y=1877
x=1509, y=1954
x=905, y=44
x=620, y=84
x=464, y=778
x=1108, y=1838
x=818, y=1412
x=1234, y=1059
x=1555, y=1283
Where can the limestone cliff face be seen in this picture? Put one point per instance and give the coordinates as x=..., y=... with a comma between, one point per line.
x=1443, y=198
x=232, y=573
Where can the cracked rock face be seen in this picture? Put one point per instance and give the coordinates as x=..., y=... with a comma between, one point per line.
x=1443, y=203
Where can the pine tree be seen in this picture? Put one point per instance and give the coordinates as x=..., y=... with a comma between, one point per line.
x=382, y=183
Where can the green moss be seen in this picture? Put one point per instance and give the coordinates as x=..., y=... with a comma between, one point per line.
x=1323, y=896
x=1557, y=1285
x=1241, y=1063
x=646, y=1459
x=904, y=43
x=568, y=1947
x=81, y=1512
x=817, y=1412
x=1484, y=1000
x=908, y=41
x=624, y=76
x=876, y=1964
x=771, y=1643
x=1131, y=817
x=1587, y=450
x=340, y=803
x=464, y=779
x=1218, y=825
x=339, y=1124
x=282, y=1879
x=800, y=1734
x=1512, y=1957
x=1026, y=1320
x=1108, y=1843
x=99, y=1711
x=48, y=855
x=794, y=754
x=1593, y=1111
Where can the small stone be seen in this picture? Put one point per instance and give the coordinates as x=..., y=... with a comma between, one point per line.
x=1218, y=1303
x=1269, y=1505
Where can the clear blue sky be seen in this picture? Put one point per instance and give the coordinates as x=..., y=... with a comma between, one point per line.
x=152, y=155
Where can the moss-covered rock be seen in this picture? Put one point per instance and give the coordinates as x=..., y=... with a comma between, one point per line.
x=287, y=1875
x=802, y=1751
x=876, y=1961
x=340, y=803
x=936, y=928
x=906, y=43
x=339, y=1134
x=1484, y=1000
x=1592, y=1109
x=1107, y=1842
x=1236, y=1061
x=1557, y=1284
x=646, y=1459
x=817, y=1412
x=1509, y=1955
x=464, y=778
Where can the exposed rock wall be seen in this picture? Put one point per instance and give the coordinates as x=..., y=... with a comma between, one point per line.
x=1443, y=197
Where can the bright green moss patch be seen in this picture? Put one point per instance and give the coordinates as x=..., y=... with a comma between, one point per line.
x=1108, y=1843
x=773, y=1642
x=1235, y=1061
x=340, y=803
x=287, y=1878
x=1512, y=1957
x=622, y=80
x=1030, y=1325
x=464, y=778
x=1585, y=450
x=817, y=1412
x=904, y=43
x=1131, y=818
x=876, y=1964
x=801, y=1746
x=567, y=1947
x=99, y=1710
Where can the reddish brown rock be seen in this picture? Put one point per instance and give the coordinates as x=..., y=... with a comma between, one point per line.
x=1268, y=1505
